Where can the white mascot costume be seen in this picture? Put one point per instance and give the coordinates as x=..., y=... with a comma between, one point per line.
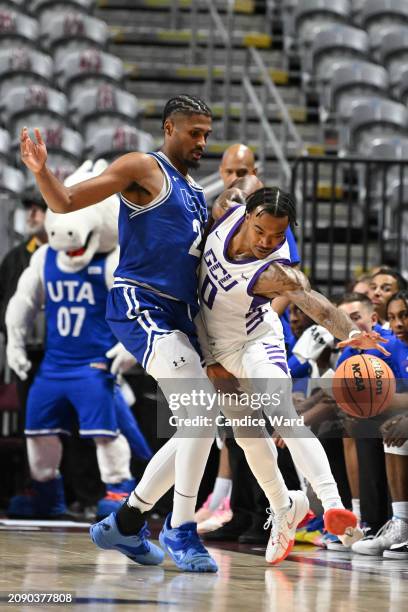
x=70, y=278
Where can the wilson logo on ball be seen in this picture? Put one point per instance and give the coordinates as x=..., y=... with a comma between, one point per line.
x=363, y=386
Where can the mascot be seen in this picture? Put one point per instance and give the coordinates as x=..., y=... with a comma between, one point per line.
x=70, y=278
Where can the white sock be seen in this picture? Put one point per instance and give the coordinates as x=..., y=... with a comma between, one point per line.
x=355, y=506
x=191, y=458
x=400, y=510
x=157, y=479
x=311, y=460
x=222, y=489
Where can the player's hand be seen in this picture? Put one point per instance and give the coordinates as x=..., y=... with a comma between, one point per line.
x=365, y=341
x=33, y=154
x=395, y=430
x=122, y=360
x=223, y=381
x=18, y=362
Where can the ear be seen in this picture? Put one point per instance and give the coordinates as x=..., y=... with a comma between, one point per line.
x=374, y=318
x=168, y=127
x=255, y=171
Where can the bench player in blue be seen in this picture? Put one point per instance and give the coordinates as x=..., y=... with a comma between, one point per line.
x=151, y=310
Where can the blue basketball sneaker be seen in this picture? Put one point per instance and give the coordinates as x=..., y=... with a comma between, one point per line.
x=184, y=546
x=106, y=535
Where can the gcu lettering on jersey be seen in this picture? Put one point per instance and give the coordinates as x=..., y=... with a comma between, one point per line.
x=232, y=313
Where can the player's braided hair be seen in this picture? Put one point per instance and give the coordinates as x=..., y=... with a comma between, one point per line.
x=400, y=295
x=187, y=105
x=273, y=201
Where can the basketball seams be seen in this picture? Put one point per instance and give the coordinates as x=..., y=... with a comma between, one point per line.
x=369, y=380
x=350, y=394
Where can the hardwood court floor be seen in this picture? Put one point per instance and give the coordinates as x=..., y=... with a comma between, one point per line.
x=47, y=560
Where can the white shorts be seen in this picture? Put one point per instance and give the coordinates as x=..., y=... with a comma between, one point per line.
x=259, y=358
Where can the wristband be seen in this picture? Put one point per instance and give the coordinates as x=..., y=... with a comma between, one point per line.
x=354, y=332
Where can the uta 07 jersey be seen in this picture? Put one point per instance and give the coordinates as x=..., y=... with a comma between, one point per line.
x=232, y=314
x=75, y=305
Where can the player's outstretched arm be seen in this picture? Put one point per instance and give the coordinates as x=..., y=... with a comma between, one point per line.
x=236, y=194
x=279, y=279
x=117, y=177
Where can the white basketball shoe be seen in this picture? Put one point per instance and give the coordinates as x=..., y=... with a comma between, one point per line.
x=395, y=531
x=284, y=526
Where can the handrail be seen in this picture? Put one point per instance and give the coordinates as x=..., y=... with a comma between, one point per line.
x=273, y=90
x=285, y=167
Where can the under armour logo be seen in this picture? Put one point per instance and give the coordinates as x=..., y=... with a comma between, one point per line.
x=179, y=363
x=244, y=277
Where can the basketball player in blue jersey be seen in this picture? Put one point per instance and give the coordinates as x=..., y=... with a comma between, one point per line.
x=391, y=541
x=245, y=265
x=151, y=310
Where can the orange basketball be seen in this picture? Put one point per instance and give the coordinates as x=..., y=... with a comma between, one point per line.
x=363, y=385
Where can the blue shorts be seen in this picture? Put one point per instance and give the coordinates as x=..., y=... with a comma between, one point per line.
x=139, y=317
x=52, y=404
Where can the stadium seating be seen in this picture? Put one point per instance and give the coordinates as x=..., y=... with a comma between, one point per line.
x=88, y=67
x=311, y=15
x=72, y=30
x=21, y=66
x=34, y=104
x=110, y=142
x=41, y=8
x=4, y=146
x=351, y=79
x=367, y=118
x=17, y=27
x=331, y=43
x=94, y=107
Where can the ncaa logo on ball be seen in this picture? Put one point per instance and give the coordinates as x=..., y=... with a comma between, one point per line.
x=358, y=377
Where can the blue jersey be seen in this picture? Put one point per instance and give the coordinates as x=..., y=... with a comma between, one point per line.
x=398, y=362
x=160, y=242
x=75, y=306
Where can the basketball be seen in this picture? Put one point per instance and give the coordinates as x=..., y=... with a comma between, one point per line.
x=363, y=386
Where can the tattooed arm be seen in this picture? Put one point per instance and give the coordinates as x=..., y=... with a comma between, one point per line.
x=236, y=194
x=279, y=279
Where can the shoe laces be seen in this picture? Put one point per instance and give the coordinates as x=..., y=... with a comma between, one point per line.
x=189, y=537
x=386, y=529
x=275, y=519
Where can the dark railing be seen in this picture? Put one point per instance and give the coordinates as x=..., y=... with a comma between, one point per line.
x=352, y=215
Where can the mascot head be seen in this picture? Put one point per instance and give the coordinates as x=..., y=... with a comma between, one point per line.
x=81, y=234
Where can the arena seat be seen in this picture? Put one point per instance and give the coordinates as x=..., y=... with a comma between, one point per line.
x=393, y=52
x=23, y=66
x=337, y=42
x=367, y=118
x=4, y=146
x=60, y=141
x=94, y=107
x=48, y=7
x=110, y=142
x=11, y=180
x=351, y=79
x=377, y=13
x=72, y=30
x=88, y=67
x=311, y=15
x=34, y=104
x=15, y=26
